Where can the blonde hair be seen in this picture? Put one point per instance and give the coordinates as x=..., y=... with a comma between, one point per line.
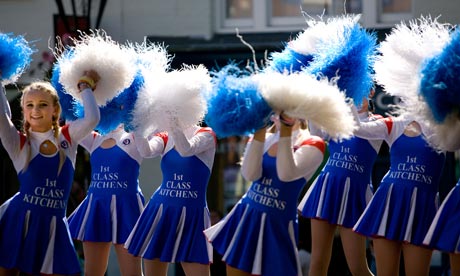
x=48, y=88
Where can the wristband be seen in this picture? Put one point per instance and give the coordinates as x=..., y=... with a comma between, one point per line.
x=89, y=81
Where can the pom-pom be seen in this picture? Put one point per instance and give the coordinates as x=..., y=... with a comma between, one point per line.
x=403, y=53
x=119, y=110
x=299, y=52
x=235, y=107
x=303, y=96
x=69, y=105
x=152, y=57
x=440, y=80
x=288, y=60
x=97, y=51
x=445, y=135
x=171, y=100
x=348, y=55
x=15, y=57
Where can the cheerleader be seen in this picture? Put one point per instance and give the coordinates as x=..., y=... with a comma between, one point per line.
x=441, y=101
x=114, y=200
x=338, y=197
x=404, y=205
x=34, y=235
x=170, y=229
x=259, y=235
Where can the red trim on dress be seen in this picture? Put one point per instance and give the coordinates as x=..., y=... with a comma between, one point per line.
x=209, y=130
x=65, y=132
x=315, y=141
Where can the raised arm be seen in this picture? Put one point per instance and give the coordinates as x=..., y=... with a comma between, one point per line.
x=80, y=128
x=150, y=147
x=202, y=141
x=372, y=130
x=251, y=168
x=303, y=162
x=8, y=132
x=6, y=106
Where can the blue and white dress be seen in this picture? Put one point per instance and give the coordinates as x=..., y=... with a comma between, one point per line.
x=444, y=232
x=260, y=233
x=343, y=189
x=34, y=234
x=171, y=226
x=114, y=200
x=405, y=202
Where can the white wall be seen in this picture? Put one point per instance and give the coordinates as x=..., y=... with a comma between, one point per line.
x=132, y=20
x=123, y=20
x=448, y=10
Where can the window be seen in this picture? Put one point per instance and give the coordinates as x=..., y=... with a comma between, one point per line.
x=238, y=9
x=237, y=13
x=290, y=12
x=288, y=15
x=395, y=10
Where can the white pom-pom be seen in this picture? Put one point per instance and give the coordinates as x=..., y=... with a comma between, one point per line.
x=302, y=96
x=446, y=135
x=97, y=51
x=403, y=52
x=172, y=100
x=151, y=56
x=307, y=41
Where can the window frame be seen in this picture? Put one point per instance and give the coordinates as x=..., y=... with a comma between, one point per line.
x=261, y=21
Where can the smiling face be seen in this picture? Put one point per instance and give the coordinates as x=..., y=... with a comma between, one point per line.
x=40, y=108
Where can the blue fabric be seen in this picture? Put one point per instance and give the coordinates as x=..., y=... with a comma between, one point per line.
x=176, y=212
x=241, y=229
x=349, y=161
x=446, y=234
x=415, y=167
x=114, y=173
x=42, y=198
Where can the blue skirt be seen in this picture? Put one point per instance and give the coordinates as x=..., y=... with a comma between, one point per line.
x=444, y=233
x=171, y=233
x=399, y=212
x=106, y=218
x=336, y=199
x=35, y=242
x=256, y=242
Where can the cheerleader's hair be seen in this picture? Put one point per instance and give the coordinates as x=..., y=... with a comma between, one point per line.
x=99, y=52
x=15, y=57
x=48, y=88
x=234, y=105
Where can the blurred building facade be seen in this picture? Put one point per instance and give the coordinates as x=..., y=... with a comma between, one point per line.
x=198, y=32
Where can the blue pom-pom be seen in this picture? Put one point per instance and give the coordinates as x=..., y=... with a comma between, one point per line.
x=288, y=61
x=440, y=80
x=235, y=107
x=129, y=96
x=15, y=56
x=118, y=110
x=69, y=105
x=351, y=61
